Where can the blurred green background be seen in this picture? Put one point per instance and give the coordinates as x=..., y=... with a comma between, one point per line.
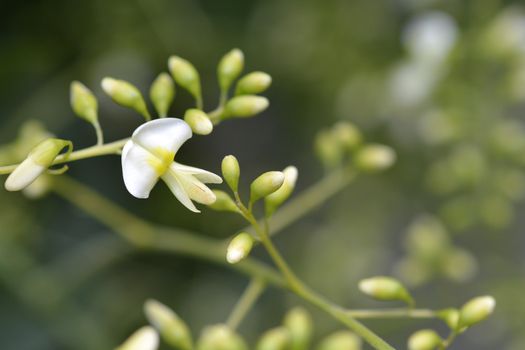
x=442, y=82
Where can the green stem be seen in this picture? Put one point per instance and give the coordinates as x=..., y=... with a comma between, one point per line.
x=392, y=313
x=246, y=302
x=90, y=152
x=100, y=134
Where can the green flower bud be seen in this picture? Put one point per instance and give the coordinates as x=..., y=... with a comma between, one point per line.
x=185, y=75
x=223, y=202
x=126, y=95
x=144, y=339
x=385, y=288
x=299, y=323
x=425, y=339
x=265, y=185
x=341, y=340
x=239, y=248
x=198, y=121
x=245, y=106
x=220, y=337
x=450, y=316
x=476, y=310
x=375, y=157
x=231, y=172
x=83, y=102
x=347, y=135
x=253, y=83
x=229, y=68
x=162, y=93
x=328, y=149
x=274, y=200
x=38, y=160
x=173, y=330
x=275, y=339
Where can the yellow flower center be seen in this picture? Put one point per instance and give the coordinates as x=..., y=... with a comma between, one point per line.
x=160, y=160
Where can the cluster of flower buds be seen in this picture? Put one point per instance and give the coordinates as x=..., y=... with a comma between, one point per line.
x=344, y=141
x=458, y=320
x=274, y=187
x=431, y=253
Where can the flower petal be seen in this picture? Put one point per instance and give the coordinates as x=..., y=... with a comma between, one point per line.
x=139, y=175
x=195, y=189
x=172, y=180
x=23, y=175
x=200, y=174
x=166, y=134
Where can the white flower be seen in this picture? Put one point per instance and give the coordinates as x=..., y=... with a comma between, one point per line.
x=149, y=155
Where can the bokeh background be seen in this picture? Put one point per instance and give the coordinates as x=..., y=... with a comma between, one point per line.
x=442, y=82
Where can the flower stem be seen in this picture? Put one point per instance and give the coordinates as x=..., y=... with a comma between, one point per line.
x=246, y=302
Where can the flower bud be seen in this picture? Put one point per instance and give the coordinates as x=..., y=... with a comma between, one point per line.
x=347, y=135
x=274, y=200
x=450, y=316
x=173, y=330
x=83, y=102
x=476, y=310
x=341, y=340
x=38, y=160
x=220, y=337
x=126, y=95
x=274, y=339
x=265, y=185
x=231, y=172
x=239, y=248
x=162, y=93
x=375, y=157
x=299, y=323
x=198, y=121
x=328, y=149
x=185, y=75
x=253, y=83
x=223, y=202
x=245, y=106
x=425, y=339
x=146, y=338
x=385, y=288
x=229, y=68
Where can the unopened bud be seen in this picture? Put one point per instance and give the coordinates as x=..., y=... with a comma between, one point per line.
x=476, y=310
x=239, y=248
x=265, y=185
x=375, y=157
x=126, y=95
x=223, y=202
x=274, y=200
x=341, y=340
x=450, y=316
x=173, y=330
x=347, y=135
x=198, y=121
x=299, y=323
x=83, y=102
x=425, y=339
x=245, y=106
x=231, y=172
x=38, y=160
x=162, y=93
x=229, y=68
x=220, y=337
x=185, y=75
x=146, y=338
x=253, y=83
x=328, y=149
x=385, y=288
x=275, y=339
